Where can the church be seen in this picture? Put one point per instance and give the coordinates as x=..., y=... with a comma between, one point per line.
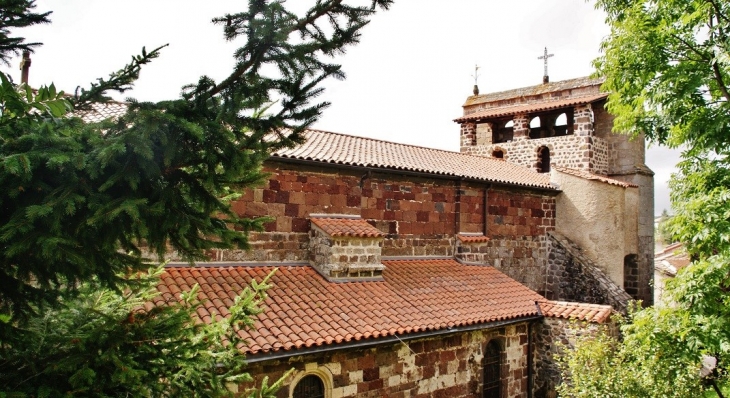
x=405, y=271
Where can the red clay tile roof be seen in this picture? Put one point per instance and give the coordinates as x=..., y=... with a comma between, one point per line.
x=530, y=108
x=304, y=310
x=347, y=227
x=326, y=147
x=595, y=177
x=472, y=238
x=595, y=313
x=530, y=91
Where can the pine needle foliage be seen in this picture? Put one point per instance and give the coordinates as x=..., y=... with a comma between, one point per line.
x=82, y=206
x=80, y=201
x=17, y=14
x=105, y=343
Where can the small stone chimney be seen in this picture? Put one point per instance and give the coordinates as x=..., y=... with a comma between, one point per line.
x=345, y=248
x=25, y=67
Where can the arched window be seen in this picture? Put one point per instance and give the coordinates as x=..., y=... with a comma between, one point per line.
x=543, y=160
x=536, y=131
x=561, y=126
x=492, y=371
x=503, y=133
x=309, y=386
x=498, y=153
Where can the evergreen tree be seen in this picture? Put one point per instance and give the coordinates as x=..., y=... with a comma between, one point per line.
x=80, y=201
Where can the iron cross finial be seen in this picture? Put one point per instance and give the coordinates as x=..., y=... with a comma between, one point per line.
x=476, y=74
x=545, y=56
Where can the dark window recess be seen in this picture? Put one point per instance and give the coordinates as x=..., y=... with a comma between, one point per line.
x=309, y=387
x=543, y=160
x=505, y=132
x=492, y=371
x=498, y=154
x=631, y=275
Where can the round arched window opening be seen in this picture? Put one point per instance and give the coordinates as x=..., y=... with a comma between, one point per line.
x=543, y=160
x=309, y=386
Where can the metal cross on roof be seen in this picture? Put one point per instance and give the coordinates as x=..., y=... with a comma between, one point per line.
x=545, y=56
x=476, y=74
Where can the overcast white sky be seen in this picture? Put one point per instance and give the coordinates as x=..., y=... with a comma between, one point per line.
x=406, y=80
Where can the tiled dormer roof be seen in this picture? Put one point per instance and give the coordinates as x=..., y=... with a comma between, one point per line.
x=594, y=177
x=303, y=310
x=346, y=227
x=334, y=148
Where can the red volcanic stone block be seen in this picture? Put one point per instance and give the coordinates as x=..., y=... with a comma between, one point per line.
x=422, y=216
x=291, y=210
x=300, y=225
x=274, y=185
x=353, y=201
x=269, y=196
x=282, y=197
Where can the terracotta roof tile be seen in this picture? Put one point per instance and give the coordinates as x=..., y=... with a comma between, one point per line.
x=595, y=177
x=347, y=227
x=327, y=147
x=304, y=310
x=595, y=313
x=344, y=149
x=671, y=259
x=530, y=107
x=472, y=238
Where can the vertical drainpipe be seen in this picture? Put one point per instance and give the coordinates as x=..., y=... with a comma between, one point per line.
x=486, y=209
x=530, y=353
x=457, y=208
x=529, y=360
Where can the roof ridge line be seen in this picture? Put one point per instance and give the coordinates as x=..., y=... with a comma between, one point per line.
x=589, y=77
x=409, y=145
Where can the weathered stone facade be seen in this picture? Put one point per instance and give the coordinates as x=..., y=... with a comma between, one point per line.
x=552, y=337
x=419, y=216
x=345, y=258
x=576, y=152
x=442, y=366
x=572, y=276
x=585, y=142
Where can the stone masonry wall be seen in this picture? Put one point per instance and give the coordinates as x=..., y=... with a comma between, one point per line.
x=553, y=335
x=447, y=366
x=516, y=227
x=345, y=257
x=572, y=151
x=419, y=216
x=572, y=276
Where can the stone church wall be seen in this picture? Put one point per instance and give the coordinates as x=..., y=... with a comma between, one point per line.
x=552, y=336
x=445, y=366
x=572, y=151
x=420, y=216
x=572, y=276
